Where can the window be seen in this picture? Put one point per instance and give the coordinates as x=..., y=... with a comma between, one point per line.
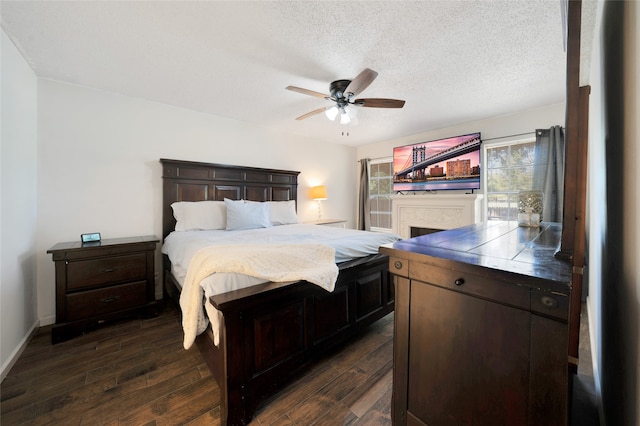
x=380, y=190
x=509, y=170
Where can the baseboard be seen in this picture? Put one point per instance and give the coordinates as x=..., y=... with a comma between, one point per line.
x=13, y=358
x=51, y=319
x=594, y=362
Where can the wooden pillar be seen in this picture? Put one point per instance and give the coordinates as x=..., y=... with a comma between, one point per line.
x=572, y=245
x=572, y=120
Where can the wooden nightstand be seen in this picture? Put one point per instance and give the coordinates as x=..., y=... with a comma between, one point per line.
x=99, y=282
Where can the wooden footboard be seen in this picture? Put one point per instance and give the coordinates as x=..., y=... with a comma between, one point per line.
x=272, y=331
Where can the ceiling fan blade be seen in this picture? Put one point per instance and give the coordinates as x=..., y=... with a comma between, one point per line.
x=307, y=92
x=309, y=114
x=379, y=103
x=361, y=82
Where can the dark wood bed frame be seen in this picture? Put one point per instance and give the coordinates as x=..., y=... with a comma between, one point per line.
x=271, y=332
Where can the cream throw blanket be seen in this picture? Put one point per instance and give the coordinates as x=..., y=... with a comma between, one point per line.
x=314, y=263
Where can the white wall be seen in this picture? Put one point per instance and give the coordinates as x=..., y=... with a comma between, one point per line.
x=18, y=143
x=596, y=192
x=99, y=170
x=613, y=261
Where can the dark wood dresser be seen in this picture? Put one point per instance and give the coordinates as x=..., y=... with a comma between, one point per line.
x=481, y=329
x=99, y=282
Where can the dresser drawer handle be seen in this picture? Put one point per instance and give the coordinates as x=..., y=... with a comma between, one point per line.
x=459, y=281
x=110, y=299
x=398, y=264
x=108, y=269
x=549, y=302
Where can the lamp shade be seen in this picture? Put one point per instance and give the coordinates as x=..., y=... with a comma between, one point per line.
x=331, y=112
x=319, y=192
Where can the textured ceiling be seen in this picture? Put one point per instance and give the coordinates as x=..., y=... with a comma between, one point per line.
x=452, y=61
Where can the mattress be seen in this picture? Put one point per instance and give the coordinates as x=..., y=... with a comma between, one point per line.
x=180, y=247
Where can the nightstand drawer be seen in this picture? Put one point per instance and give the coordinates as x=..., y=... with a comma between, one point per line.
x=92, y=303
x=95, y=272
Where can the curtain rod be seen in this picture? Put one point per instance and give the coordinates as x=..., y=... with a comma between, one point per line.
x=509, y=136
x=519, y=134
x=483, y=140
x=373, y=159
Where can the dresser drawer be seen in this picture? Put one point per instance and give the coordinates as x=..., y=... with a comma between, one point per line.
x=499, y=291
x=92, y=303
x=94, y=272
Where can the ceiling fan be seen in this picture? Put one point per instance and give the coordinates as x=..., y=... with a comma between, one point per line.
x=343, y=93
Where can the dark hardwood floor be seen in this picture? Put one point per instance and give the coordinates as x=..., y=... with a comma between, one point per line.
x=137, y=373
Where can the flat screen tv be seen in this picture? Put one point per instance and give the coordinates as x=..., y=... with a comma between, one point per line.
x=443, y=164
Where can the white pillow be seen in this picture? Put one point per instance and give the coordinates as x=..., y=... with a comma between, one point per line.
x=199, y=215
x=242, y=215
x=282, y=212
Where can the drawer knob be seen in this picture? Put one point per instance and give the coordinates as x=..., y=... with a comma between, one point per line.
x=398, y=264
x=549, y=302
x=108, y=269
x=110, y=299
x=459, y=281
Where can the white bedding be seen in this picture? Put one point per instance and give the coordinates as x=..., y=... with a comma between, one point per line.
x=181, y=247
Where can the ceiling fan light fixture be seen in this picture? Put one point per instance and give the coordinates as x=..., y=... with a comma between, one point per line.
x=352, y=111
x=348, y=114
x=331, y=112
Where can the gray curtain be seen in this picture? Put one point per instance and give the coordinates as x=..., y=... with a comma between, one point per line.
x=548, y=173
x=364, y=219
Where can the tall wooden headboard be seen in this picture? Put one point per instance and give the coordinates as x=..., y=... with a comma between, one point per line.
x=195, y=181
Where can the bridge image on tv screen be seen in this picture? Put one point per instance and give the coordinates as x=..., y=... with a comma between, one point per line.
x=451, y=163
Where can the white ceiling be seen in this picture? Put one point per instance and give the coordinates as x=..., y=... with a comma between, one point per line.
x=452, y=61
